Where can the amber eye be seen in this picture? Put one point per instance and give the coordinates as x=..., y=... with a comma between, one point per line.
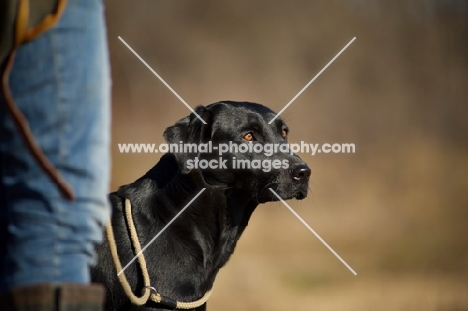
x=284, y=133
x=248, y=137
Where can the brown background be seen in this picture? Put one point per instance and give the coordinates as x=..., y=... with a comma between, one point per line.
x=396, y=210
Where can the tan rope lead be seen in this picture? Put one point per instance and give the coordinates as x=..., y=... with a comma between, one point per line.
x=156, y=297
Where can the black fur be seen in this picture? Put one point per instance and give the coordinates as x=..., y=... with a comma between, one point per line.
x=184, y=260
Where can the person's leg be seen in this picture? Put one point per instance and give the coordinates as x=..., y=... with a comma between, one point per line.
x=61, y=82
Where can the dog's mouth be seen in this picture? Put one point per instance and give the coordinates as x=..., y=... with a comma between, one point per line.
x=281, y=193
x=301, y=195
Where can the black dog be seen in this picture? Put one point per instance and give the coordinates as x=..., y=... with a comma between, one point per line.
x=184, y=260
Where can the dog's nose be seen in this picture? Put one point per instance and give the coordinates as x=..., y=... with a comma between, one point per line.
x=300, y=173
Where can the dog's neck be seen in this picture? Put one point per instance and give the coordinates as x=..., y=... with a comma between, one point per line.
x=234, y=208
x=178, y=188
x=207, y=231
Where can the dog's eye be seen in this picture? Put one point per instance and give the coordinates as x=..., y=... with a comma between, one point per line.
x=284, y=133
x=248, y=137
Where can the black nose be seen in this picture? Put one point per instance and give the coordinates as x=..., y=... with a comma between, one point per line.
x=300, y=173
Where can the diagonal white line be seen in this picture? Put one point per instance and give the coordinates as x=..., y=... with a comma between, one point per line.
x=313, y=79
x=162, y=80
x=162, y=230
x=313, y=231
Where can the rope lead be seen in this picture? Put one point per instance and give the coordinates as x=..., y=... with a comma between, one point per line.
x=148, y=292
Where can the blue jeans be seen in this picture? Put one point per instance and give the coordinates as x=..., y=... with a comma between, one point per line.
x=61, y=83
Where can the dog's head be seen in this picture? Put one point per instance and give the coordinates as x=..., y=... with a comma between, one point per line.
x=237, y=148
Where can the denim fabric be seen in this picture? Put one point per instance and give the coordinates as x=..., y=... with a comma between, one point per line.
x=61, y=82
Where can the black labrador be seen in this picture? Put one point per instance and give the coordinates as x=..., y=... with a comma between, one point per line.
x=184, y=260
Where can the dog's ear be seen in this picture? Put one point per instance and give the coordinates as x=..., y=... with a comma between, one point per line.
x=178, y=132
x=190, y=130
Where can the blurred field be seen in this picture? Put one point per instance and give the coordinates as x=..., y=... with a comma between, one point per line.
x=396, y=211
